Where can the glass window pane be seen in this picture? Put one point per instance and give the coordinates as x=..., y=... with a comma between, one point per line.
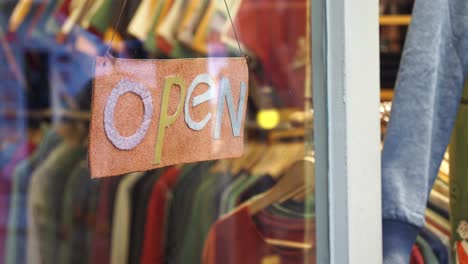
x=257, y=206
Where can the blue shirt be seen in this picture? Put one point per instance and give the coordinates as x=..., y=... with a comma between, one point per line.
x=427, y=96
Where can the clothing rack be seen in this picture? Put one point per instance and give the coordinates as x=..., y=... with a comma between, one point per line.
x=41, y=114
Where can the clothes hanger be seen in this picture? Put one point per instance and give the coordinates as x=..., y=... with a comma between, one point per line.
x=226, y=31
x=12, y=61
x=222, y=15
x=74, y=18
x=19, y=14
x=257, y=151
x=295, y=151
x=150, y=39
x=445, y=167
x=199, y=42
x=282, y=156
x=289, y=185
x=166, y=31
x=288, y=244
x=165, y=9
x=216, y=13
x=260, y=167
x=191, y=20
x=257, y=154
x=99, y=22
x=140, y=25
x=235, y=165
x=90, y=12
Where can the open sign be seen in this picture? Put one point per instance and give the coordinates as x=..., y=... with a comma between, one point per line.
x=182, y=111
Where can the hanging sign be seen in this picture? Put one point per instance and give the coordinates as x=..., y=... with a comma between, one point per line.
x=148, y=114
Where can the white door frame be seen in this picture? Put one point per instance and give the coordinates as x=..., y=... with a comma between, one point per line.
x=345, y=54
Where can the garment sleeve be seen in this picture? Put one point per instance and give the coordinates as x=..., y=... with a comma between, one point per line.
x=209, y=250
x=427, y=96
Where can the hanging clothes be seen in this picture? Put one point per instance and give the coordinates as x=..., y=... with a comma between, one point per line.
x=282, y=22
x=439, y=249
x=428, y=254
x=58, y=214
x=6, y=177
x=237, y=239
x=153, y=239
x=416, y=256
x=181, y=208
x=101, y=241
x=75, y=209
x=122, y=219
x=204, y=214
x=45, y=192
x=18, y=217
x=140, y=196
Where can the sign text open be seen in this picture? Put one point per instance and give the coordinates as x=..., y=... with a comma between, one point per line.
x=148, y=114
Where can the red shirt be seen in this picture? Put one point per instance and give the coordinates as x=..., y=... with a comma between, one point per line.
x=416, y=256
x=275, y=30
x=462, y=256
x=236, y=238
x=153, y=247
x=63, y=11
x=100, y=241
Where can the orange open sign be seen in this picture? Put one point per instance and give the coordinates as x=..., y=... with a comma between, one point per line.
x=148, y=114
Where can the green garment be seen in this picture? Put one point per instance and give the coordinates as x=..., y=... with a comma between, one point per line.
x=150, y=42
x=102, y=17
x=44, y=201
x=181, y=208
x=185, y=170
x=459, y=176
x=207, y=185
x=223, y=205
x=200, y=220
x=76, y=207
x=92, y=205
x=55, y=192
x=181, y=51
x=234, y=198
x=291, y=209
x=286, y=209
x=426, y=250
x=67, y=221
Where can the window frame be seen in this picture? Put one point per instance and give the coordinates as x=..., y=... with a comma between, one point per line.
x=345, y=56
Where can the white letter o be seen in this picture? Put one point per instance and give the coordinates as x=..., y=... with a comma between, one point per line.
x=119, y=141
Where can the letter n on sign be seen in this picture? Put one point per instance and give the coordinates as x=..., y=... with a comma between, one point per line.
x=148, y=114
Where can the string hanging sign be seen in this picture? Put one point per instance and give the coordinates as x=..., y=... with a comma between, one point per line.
x=148, y=114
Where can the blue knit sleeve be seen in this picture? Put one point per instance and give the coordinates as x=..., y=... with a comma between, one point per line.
x=427, y=96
